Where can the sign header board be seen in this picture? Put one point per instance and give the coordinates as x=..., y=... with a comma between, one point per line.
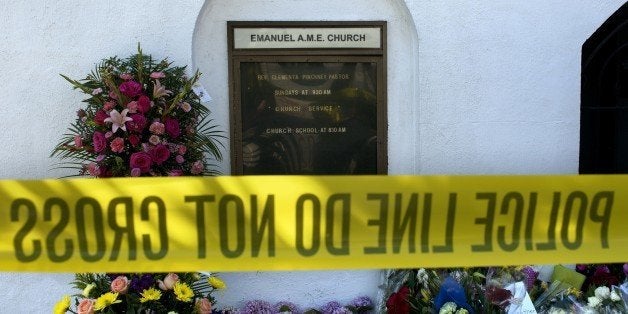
x=308, y=38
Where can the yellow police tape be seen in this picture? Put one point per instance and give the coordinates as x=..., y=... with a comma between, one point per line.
x=310, y=222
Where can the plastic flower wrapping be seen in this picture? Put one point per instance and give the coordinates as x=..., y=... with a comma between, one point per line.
x=142, y=118
x=598, y=288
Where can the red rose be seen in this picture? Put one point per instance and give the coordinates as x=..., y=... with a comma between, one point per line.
x=99, y=141
x=143, y=104
x=138, y=124
x=397, y=303
x=172, y=127
x=134, y=139
x=131, y=88
x=100, y=116
x=159, y=153
x=142, y=161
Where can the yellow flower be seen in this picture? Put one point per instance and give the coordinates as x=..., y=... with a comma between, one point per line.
x=88, y=289
x=183, y=291
x=217, y=283
x=151, y=294
x=63, y=305
x=106, y=300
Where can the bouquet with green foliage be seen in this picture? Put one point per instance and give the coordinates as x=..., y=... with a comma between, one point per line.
x=142, y=119
x=142, y=293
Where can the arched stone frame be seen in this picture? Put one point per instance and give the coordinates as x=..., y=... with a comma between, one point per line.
x=604, y=97
x=209, y=55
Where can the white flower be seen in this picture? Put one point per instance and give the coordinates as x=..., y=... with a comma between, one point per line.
x=97, y=91
x=603, y=292
x=462, y=311
x=422, y=277
x=594, y=301
x=118, y=119
x=615, y=296
x=448, y=308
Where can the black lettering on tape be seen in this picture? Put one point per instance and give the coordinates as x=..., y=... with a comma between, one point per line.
x=29, y=224
x=316, y=224
x=161, y=224
x=237, y=207
x=63, y=213
x=128, y=227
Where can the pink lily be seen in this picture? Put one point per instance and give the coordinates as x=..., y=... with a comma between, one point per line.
x=118, y=120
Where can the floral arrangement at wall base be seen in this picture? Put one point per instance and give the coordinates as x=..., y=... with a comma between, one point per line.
x=525, y=289
x=142, y=293
x=142, y=118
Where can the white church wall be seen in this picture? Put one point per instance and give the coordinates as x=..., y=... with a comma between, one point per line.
x=497, y=91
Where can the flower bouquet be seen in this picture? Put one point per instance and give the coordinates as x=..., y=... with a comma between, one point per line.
x=142, y=293
x=586, y=289
x=142, y=118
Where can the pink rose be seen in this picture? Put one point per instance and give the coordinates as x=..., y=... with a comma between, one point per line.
x=117, y=145
x=113, y=95
x=179, y=159
x=157, y=75
x=197, y=167
x=86, y=306
x=168, y=282
x=154, y=139
x=126, y=76
x=203, y=306
x=138, y=124
x=93, y=169
x=136, y=172
x=108, y=106
x=120, y=285
x=172, y=127
x=175, y=173
x=157, y=128
x=143, y=104
x=131, y=88
x=100, y=116
x=142, y=161
x=182, y=149
x=78, y=141
x=159, y=153
x=185, y=106
x=99, y=141
x=134, y=139
x=132, y=106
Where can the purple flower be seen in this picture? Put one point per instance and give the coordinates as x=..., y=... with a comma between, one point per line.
x=99, y=141
x=626, y=269
x=285, y=306
x=142, y=282
x=172, y=127
x=362, y=301
x=131, y=88
x=331, y=307
x=530, y=277
x=256, y=307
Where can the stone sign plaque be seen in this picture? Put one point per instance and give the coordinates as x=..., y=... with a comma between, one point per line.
x=307, y=110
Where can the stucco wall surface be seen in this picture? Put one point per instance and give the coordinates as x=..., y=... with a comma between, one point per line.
x=474, y=87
